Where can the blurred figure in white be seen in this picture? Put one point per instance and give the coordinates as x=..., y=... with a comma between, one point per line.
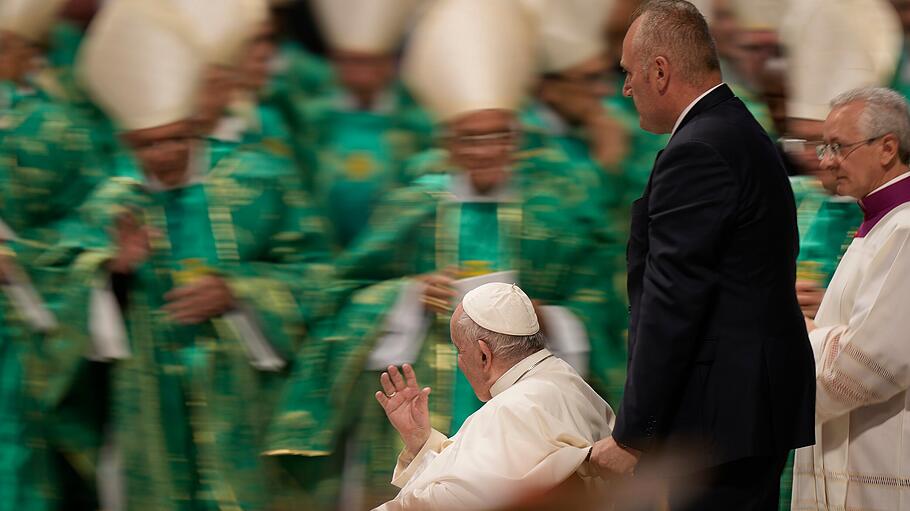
x=535, y=430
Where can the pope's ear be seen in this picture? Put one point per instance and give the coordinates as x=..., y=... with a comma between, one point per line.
x=486, y=353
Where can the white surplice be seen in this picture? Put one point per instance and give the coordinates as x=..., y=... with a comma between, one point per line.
x=861, y=460
x=534, y=434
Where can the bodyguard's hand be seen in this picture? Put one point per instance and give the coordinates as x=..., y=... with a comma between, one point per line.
x=406, y=405
x=809, y=295
x=614, y=460
x=200, y=301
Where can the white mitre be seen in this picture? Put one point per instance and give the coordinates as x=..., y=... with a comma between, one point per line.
x=501, y=308
x=571, y=32
x=368, y=26
x=470, y=55
x=31, y=19
x=221, y=28
x=139, y=66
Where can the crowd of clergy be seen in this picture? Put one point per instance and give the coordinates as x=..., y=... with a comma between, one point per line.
x=222, y=220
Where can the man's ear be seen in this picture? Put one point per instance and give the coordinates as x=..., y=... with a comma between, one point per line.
x=890, y=147
x=486, y=353
x=661, y=73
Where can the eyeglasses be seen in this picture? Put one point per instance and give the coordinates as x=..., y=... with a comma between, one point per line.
x=836, y=150
x=796, y=146
x=498, y=140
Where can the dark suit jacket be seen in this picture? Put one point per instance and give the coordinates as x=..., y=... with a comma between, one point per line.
x=718, y=350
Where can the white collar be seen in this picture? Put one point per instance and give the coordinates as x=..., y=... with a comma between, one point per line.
x=901, y=177
x=691, y=106
x=461, y=188
x=518, y=370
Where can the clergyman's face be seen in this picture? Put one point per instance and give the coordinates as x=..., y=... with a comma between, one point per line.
x=857, y=168
x=18, y=57
x=482, y=144
x=164, y=152
x=365, y=75
x=578, y=91
x=470, y=359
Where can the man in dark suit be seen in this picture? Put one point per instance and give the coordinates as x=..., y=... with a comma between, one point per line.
x=719, y=358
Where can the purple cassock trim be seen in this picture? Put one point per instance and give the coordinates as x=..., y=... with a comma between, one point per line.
x=878, y=204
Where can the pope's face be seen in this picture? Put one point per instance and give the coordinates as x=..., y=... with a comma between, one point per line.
x=482, y=144
x=471, y=360
x=364, y=75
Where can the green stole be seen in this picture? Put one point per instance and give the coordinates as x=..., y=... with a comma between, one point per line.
x=477, y=238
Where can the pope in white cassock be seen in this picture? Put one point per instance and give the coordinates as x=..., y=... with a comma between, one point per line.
x=861, y=460
x=534, y=431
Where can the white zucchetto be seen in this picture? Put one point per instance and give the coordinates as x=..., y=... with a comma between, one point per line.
x=501, y=308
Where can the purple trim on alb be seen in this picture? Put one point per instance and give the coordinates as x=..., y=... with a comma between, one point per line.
x=878, y=204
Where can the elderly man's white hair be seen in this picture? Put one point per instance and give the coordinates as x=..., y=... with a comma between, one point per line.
x=509, y=347
x=884, y=111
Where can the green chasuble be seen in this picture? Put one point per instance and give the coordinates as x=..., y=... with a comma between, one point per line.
x=190, y=393
x=48, y=166
x=258, y=126
x=827, y=224
x=548, y=228
x=543, y=128
x=355, y=156
x=297, y=76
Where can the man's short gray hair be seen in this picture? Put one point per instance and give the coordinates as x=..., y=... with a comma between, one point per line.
x=884, y=111
x=510, y=347
x=675, y=29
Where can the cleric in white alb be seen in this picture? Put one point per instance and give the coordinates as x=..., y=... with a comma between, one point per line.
x=861, y=459
x=534, y=431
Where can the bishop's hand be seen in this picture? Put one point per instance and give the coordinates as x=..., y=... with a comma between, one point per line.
x=406, y=405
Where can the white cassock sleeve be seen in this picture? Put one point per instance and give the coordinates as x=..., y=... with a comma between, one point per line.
x=867, y=361
x=500, y=454
x=408, y=466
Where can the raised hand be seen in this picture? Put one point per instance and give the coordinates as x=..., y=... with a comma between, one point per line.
x=406, y=405
x=133, y=245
